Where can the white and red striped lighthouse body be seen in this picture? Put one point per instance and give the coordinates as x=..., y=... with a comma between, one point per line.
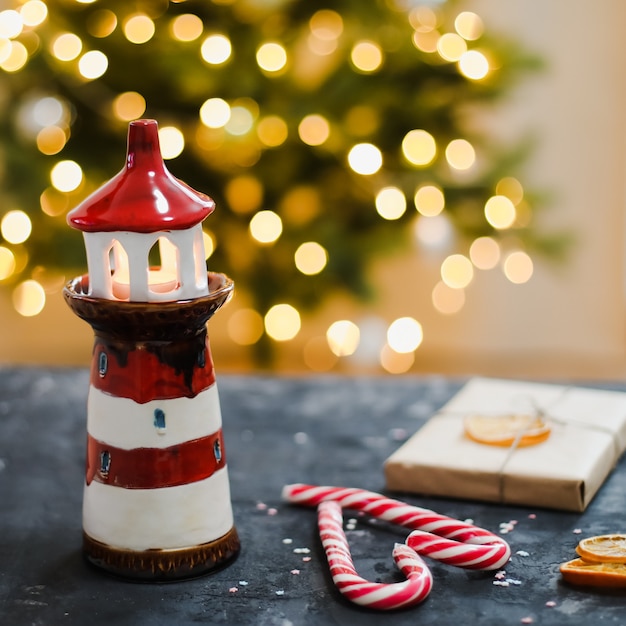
x=156, y=500
x=156, y=473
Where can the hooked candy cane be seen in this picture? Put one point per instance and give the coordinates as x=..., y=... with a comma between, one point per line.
x=383, y=596
x=465, y=555
x=458, y=543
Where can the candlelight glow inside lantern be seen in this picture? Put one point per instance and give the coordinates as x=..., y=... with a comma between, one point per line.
x=156, y=502
x=144, y=208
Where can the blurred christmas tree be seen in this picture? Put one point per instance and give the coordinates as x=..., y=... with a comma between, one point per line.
x=318, y=129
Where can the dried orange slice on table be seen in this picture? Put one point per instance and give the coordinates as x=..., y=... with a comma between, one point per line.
x=504, y=430
x=603, y=549
x=579, y=572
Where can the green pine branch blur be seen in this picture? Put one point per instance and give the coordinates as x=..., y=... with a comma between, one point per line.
x=412, y=90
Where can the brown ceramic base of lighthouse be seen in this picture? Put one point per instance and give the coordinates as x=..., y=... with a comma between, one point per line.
x=163, y=565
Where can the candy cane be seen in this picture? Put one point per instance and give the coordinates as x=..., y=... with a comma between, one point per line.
x=465, y=555
x=383, y=596
x=459, y=543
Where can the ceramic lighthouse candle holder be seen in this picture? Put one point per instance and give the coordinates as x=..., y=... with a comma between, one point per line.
x=156, y=502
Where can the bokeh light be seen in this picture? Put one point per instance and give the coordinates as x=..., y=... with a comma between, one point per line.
x=343, y=337
x=451, y=46
x=405, y=334
x=244, y=194
x=419, y=147
x=33, y=12
x=216, y=49
x=128, y=106
x=67, y=46
x=457, y=271
x=282, y=322
x=51, y=140
x=390, y=203
x=215, y=113
x=326, y=24
x=429, y=200
x=266, y=226
x=310, y=258
x=500, y=212
x=511, y=188
x=101, y=23
x=93, y=64
x=366, y=56
x=29, y=298
x=469, y=25
x=474, y=65
x=245, y=326
x=396, y=362
x=314, y=130
x=15, y=226
x=240, y=121
x=138, y=28
x=423, y=18
x=301, y=204
x=271, y=57
x=485, y=253
x=447, y=300
x=172, y=142
x=460, y=154
x=365, y=159
x=518, y=267
x=66, y=175
x=272, y=131
x=53, y=202
x=426, y=41
x=186, y=27
x=48, y=111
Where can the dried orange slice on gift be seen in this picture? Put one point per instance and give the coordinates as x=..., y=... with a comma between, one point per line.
x=579, y=572
x=503, y=430
x=603, y=549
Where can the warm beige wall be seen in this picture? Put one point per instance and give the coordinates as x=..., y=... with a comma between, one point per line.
x=568, y=322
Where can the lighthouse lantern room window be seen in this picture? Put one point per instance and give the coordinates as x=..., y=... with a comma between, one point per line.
x=143, y=229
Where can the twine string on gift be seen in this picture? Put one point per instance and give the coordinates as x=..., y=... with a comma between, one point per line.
x=598, y=427
x=545, y=416
x=539, y=413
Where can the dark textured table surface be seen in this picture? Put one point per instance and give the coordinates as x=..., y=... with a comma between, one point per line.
x=329, y=430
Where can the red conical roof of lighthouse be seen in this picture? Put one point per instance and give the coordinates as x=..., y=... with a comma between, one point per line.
x=144, y=197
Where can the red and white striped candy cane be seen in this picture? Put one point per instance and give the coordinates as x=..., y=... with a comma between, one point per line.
x=458, y=543
x=382, y=596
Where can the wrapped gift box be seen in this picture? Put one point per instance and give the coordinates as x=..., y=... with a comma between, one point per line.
x=588, y=435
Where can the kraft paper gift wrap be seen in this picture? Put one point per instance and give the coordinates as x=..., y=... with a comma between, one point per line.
x=564, y=472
